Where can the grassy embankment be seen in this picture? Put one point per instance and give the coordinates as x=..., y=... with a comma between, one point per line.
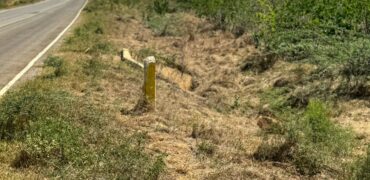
x=291, y=67
x=51, y=129
x=12, y=3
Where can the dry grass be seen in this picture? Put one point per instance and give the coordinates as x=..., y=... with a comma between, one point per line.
x=221, y=107
x=224, y=104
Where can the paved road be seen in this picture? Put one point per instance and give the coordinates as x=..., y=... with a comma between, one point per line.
x=27, y=30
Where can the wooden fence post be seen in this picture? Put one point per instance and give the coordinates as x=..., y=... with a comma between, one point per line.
x=149, y=87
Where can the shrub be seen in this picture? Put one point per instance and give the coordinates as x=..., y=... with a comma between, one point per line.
x=89, y=37
x=356, y=71
x=128, y=160
x=167, y=25
x=319, y=142
x=58, y=64
x=161, y=6
x=52, y=143
x=313, y=142
x=27, y=105
x=233, y=15
x=93, y=67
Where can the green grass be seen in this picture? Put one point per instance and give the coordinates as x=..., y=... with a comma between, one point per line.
x=362, y=167
x=64, y=135
x=331, y=34
x=311, y=141
x=89, y=37
x=167, y=24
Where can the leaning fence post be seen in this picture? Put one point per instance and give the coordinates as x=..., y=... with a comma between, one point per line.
x=149, y=87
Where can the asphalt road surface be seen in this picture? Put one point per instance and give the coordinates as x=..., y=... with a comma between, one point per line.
x=25, y=31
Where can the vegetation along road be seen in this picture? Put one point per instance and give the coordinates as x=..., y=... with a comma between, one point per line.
x=245, y=89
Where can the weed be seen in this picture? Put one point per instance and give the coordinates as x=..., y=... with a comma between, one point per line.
x=93, y=67
x=206, y=148
x=236, y=104
x=58, y=64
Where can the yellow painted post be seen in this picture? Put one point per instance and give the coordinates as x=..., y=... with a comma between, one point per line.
x=149, y=82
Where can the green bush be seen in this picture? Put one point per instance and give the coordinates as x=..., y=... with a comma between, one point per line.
x=167, y=25
x=93, y=67
x=319, y=142
x=52, y=143
x=161, y=6
x=29, y=104
x=127, y=160
x=356, y=71
x=234, y=15
x=89, y=38
x=311, y=142
x=58, y=64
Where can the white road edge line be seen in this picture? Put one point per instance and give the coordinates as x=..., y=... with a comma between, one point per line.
x=42, y=53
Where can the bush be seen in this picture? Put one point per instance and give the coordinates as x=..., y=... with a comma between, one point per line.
x=313, y=142
x=127, y=160
x=319, y=142
x=52, y=143
x=27, y=105
x=234, y=15
x=58, y=64
x=93, y=67
x=161, y=6
x=89, y=38
x=356, y=71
